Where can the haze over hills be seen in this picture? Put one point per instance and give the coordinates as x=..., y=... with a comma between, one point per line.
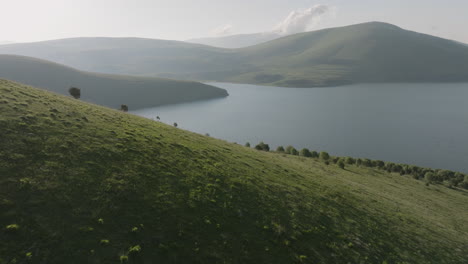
x=237, y=41
x=104, y=89
x=369, y=52
x=80, y=183
x=3, y=42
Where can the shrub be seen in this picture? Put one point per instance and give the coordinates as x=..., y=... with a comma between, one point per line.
x=359, y=162
x=429, y=176
x=280, y=149
x=12, y=227
x=350, y=160
x=124, y=108
x=341, y=164
x=324, y=155
x=305, y=153
x=294, y=152
x=75, y=92
x=366, y=163
x=175, y=124
x=289, y=149
x=123, y=259
x=247, y=144
x=134, y=250
x=262, y=146
x=379, y=164
x=315, y=154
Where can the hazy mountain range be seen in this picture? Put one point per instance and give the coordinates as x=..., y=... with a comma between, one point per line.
x=237, y=41
x=369, y=52
x=104, y=89
x=3, y=42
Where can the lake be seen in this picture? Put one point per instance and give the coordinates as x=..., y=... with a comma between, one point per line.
x=421, y=124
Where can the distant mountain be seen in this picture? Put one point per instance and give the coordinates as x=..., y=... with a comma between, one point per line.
x=104, y=89
x=3, y=42
x=237, y=41
x=369, y=52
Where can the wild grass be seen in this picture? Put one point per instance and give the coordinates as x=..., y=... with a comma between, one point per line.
x=196, y=199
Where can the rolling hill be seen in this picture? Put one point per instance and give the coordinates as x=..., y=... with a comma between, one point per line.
x=81, y=183
x=369, y=52
x=237, y=41
x=104, y=89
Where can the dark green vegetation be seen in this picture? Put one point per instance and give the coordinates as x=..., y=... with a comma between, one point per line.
x=104, y=89
x=370, y=52
x=81, y=183
x=449, y=178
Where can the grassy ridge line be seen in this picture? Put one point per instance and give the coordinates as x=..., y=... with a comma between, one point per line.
x=73, y=175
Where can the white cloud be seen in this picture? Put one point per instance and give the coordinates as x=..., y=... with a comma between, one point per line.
x=223, y=30
x=302, y=20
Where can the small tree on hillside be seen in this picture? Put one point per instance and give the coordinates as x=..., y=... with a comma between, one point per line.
x=305, y=153
x=294, y=152
x=280, y=149
x=175, y=124
x=124, y=108
x=341, y=164
x=314, y=154
x=262, y=146
x=75, y=92
x=429, y=177
x=247, y=144
x=324, y=155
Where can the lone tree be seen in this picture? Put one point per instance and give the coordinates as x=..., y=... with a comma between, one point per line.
x=247, y=144
x=75, y=92
x=175, y=124
x=124, y=108
x=158, y=118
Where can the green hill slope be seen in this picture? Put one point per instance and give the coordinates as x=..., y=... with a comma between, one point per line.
x=108, y=90
x=81, y=183
x=369, y=52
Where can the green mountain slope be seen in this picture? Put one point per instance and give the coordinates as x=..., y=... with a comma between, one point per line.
x=369, y=52
x=108, y=90
x=80, y=183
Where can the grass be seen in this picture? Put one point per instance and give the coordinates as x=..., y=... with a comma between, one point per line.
x=65, y=165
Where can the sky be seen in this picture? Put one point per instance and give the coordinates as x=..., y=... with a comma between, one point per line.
x=36, y=20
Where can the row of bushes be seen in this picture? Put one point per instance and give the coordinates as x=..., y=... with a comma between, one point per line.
x=453, y=179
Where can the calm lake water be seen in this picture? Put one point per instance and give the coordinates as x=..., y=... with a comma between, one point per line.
x=421, y=124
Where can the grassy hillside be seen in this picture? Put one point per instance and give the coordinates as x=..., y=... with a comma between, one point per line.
x=80, y=183
x=108, y=90
x=369, y=52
